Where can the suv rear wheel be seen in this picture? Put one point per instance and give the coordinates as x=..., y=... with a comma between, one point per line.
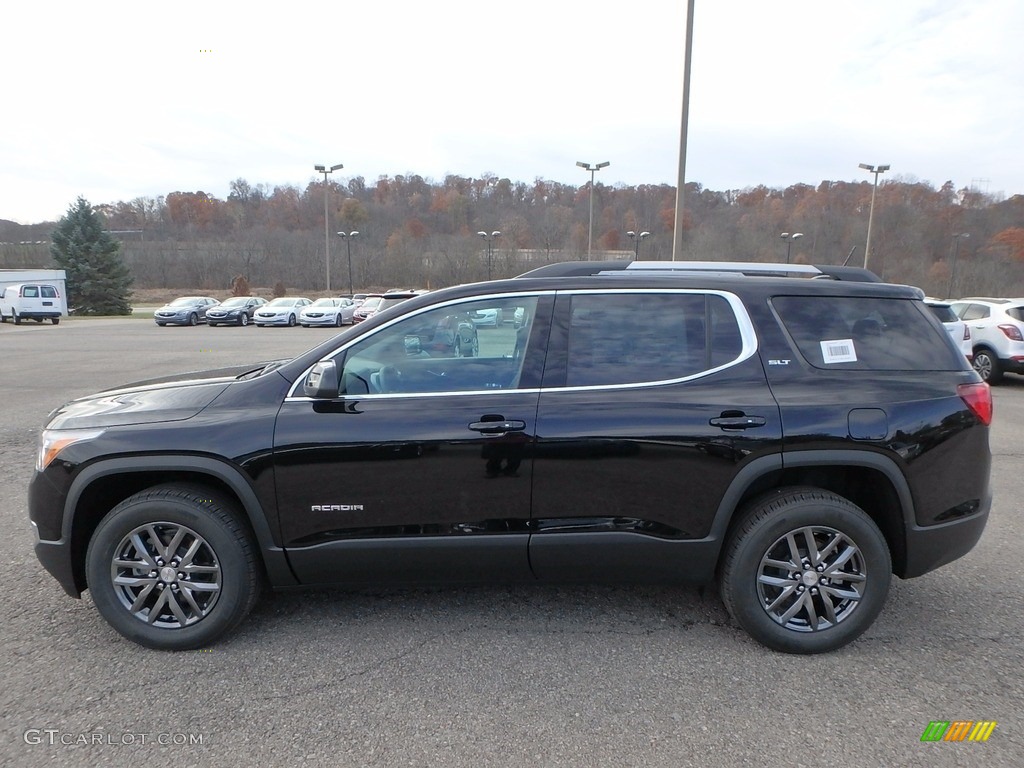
x=806, y=571
x=173, y=568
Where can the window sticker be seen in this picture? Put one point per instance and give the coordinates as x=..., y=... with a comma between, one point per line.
x=838, y=351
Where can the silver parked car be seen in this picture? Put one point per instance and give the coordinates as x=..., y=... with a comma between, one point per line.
x=188, y=310
x=330, y=311
x=281, y=311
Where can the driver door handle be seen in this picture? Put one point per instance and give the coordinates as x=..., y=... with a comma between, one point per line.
x=498, y=427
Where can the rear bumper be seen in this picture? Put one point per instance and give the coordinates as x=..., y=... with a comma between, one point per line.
x=933, y=546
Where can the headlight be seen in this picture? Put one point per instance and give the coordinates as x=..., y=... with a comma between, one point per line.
x=52, y=442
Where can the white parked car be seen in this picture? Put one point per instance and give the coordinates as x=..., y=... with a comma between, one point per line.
x=335, y=312
x=997, y=334
x=958, y=330
x=32, y=301
x=281, y=311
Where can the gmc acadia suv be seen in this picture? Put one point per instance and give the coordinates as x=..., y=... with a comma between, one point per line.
x=796, y=433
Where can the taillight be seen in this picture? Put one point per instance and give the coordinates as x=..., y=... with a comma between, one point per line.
x=1012, y=332
x=978, y=398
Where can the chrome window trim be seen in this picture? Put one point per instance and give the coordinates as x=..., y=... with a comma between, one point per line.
x=746, y=328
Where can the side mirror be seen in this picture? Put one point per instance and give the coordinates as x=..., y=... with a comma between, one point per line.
x=322, y=381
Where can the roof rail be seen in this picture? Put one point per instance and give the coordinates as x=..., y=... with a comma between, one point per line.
x=623, y=268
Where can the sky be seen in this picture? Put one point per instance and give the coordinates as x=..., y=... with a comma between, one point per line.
x=119, y=100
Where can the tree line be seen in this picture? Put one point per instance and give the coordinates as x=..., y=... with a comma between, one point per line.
x=415, y=232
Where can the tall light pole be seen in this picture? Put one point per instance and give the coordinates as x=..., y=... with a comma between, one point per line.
x=593, y=169
x=677, y=232
x=636, y=242
x=327, y=230
x=952, y=272
x=871, y=213
x=490, y=247
x=788, y=238
x=347, y=236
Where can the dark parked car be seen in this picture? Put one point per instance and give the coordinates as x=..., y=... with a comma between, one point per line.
x=188, y=310
x=798, y=441
x=238, y=310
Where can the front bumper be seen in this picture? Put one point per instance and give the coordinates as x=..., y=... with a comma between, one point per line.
x=277, y=320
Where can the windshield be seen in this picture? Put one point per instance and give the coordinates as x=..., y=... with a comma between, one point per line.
x=282, y=302
x=324, y=303
x=238, y=301
x=370, y=303
x=185, y=302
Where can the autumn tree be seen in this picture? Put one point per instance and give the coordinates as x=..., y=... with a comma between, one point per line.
x=98, y=281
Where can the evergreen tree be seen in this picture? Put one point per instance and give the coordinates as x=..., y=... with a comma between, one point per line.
x=98, y=281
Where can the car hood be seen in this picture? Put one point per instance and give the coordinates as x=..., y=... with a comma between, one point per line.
x=171, y=398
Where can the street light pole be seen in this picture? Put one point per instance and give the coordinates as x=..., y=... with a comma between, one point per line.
x=789, y=238
x=593, y=169
x=636, y=242
x=327, y=229
x=871, y=213
x=490, y=240
x=347, y=236
x=952, y=271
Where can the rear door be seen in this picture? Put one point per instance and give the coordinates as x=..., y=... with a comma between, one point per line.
x=652, y=401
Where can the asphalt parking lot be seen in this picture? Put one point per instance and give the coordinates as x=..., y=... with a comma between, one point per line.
x=482, y=676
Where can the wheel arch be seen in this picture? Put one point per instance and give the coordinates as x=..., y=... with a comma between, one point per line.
x=101, y=486
x=872, y=481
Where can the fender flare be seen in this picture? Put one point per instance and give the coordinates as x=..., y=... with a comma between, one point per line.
x=274, y=558
x=792, y=459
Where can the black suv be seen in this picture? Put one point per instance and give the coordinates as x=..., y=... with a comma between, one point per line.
x=796, y=433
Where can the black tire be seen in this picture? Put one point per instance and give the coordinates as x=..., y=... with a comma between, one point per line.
x=161, y=324
x=337, y=320
x=38, y=319
x=243, y=320
x=987, y=365
x=14, y=316
x=193, y=319
x=207, y=597
x=55, y=320
x=828, y=598
x=291, y=321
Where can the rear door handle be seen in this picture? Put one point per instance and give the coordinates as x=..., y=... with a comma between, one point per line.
x=738, y=422
x=498, y=427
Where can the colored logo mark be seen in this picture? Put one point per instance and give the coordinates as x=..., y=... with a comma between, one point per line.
x=958, y=730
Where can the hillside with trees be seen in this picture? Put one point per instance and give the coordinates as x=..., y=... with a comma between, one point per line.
x=415, y=232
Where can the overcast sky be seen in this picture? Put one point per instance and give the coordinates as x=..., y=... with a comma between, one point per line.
x=116, y=100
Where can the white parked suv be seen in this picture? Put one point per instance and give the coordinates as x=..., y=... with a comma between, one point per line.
x=997, y=334
x=31, y=301
x=957, y=329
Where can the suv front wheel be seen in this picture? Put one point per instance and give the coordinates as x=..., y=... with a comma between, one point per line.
x=173, y=568
x=987, y=365
x=806, y=571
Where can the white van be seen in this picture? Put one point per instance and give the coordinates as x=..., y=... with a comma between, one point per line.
x=32, y=301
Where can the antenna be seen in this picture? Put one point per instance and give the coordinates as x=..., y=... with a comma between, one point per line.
x=849, y=255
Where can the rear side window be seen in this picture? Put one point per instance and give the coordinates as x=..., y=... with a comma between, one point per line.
x=30, y=292
x=632, y=338
x=834, y=332
x=1017, y=313
x=976, y=312
x=48, y=292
